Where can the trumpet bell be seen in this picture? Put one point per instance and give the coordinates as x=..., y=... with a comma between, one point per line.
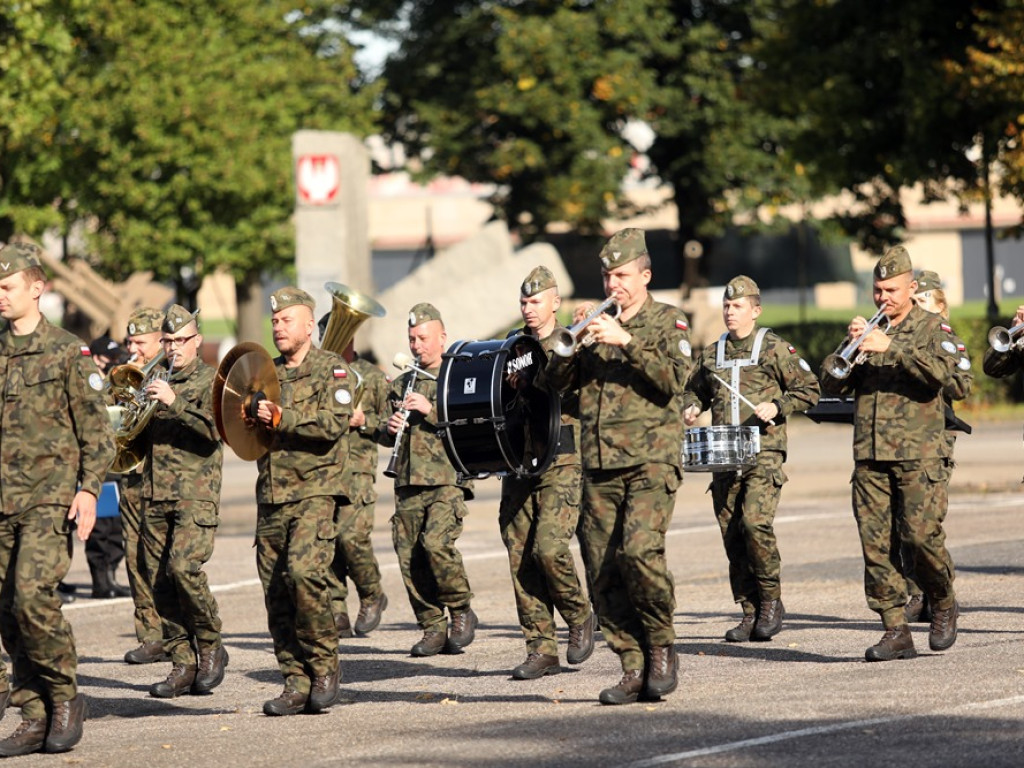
x=837, y=366
x=564, y=342
x=999, y=339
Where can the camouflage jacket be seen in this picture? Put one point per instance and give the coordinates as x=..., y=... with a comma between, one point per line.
x=54, y=432
x=184, y=454
x=308, y=454
x=900, y=410
x=631, y=397
x=779, y=375
x=362, y=446
x=422, y=460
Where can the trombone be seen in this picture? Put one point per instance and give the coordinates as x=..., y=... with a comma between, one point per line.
x=568, y=339
x=839, y=364
x=1003, y=339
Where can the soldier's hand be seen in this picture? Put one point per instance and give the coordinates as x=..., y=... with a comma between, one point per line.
x=876, y=341
x=767, y=412
x=357, y=419
x=856, y=327
x=690, y=414
x=269, y=413
x=605, y=329
x=417, y=402
x=83, y=513
x=581, y=311
x=158, y=389
x=1019, y=317
x=395, y=422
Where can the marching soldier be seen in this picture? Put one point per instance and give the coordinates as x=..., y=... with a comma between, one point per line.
x=57, y=445
x=898, y=450
x=429, y=499
x=353, y=555
x=630, y=383
x=768, y=372
x=181, y=481
x=538, y=518
x=143, y=341
x=297, y=490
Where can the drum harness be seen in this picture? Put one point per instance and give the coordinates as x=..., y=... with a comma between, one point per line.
x=734, y=368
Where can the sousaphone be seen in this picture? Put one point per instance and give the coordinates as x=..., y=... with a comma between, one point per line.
x=245, y=376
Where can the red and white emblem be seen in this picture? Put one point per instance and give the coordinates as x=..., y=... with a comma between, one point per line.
x=318, y=178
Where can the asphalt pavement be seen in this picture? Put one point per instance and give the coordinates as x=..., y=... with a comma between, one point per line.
x=807, y=698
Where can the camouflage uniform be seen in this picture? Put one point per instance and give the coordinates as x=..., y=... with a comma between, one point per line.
x=745, y=503
x=300, y=481
x=899, y=447
x=429, y=510
x=181, y=482
x=353, y=554
x=56, y=438
x=538, y=518
x=631, y=432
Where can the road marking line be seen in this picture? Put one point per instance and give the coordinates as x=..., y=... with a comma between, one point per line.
x=800, y=733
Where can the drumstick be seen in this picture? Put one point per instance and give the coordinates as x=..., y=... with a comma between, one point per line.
x=736, y=392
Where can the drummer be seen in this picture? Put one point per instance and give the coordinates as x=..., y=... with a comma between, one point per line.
x=769, y=373
x=538, y=517
x=429, y=498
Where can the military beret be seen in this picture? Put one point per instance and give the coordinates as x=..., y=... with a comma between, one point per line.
x=928, y=281
x=16, y=257
x=144, y=320
x=896, y=261
x=421, y=313
x=623, y=247
x=177, y=317
x=741, y=286
x=539, y=279
x=289, y=296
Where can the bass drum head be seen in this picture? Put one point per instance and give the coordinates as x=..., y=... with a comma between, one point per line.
x=494, y=419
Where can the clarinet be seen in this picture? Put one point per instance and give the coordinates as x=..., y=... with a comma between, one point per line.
x=392, y=468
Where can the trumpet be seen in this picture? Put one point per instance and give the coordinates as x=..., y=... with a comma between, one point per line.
x=568, y=339
x=411, y=365
x=1003, y=339
x=839, y=364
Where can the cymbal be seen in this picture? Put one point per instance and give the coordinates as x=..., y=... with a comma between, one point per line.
x=245, y=374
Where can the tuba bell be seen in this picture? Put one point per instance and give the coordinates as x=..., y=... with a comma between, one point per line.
x=134, y=410
x=349, y=310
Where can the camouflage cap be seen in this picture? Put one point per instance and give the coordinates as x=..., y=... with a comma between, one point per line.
x=624, y=246
x=539, y=279
x=928, y=281
x=421, y=313
x=16, y=257
x=177, y=317
x=290, y=296
x=741, y=286
x=896, y=261
x=144, y=320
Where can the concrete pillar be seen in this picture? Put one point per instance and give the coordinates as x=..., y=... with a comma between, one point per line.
x=332, y=173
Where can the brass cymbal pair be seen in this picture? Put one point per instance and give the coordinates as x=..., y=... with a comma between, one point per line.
x=245, y=376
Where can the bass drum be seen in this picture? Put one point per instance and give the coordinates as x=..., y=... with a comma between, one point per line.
x=493, y=418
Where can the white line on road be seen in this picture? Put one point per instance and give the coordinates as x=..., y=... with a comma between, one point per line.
x=733, y=746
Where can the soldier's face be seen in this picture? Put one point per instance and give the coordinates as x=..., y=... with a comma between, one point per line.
x=739, y=316
x=539, y=310
x=292, y=327
x=182, y=347
x=18, y=296
x=628, y=283
x=426, y=342
x=927, y=302
x=145, y=347
x=894, y=295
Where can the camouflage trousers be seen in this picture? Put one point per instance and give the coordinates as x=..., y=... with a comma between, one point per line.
x=353, y=549
x=426, y=524
x=177, y=540
x=910, y=495
x=35, y=554
x=148, y=628
x=294, y=546
x=626, y=513
x=745, y=505
x=537, y=519
x=904, y=561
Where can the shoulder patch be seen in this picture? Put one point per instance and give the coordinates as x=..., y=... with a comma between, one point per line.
x=964, y=364
x=946, y=327
x=343, y=396
x=684, y=347
x=85, y=351
x=960, y=347
x=340, y=373
x=949, y=346
x=96, y=381
x=805, y=365
x=791, y=348
x=682, y=325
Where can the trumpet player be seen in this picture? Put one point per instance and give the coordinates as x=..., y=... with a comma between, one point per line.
x=1000, y=363
x=181, y=481
x=538, y=518
x=143, y=344
x=630, y=383
x=898, y=451
x=759, y=363
x=57, y=444
x=429, y=498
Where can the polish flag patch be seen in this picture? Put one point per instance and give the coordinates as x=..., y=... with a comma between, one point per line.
x=791, y=348
x=946, y=327
x=340, y=373
x=682, y=325
x=961, y=347
x=85, y=351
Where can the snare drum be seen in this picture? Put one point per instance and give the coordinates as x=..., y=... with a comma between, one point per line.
x=724, y=448
x=493, y=419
